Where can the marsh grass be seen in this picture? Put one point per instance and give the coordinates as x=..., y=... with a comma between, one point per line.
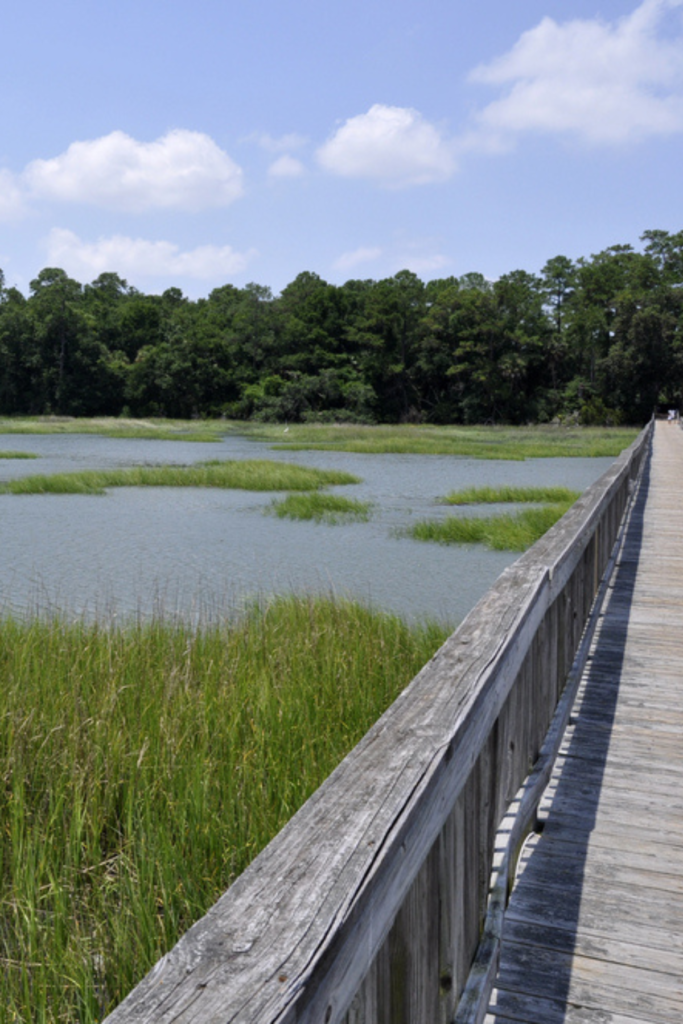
x=322, y=508
x=110, y=426
x=509, y=532
x=143, y=767
x=512, y=532
x=247, y=474
x=515, y=443
x=475, y=442
x=500, y=495
x=17, y=455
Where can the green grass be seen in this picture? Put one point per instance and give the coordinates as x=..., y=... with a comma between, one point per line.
x=322, y=508
x=501, y=533
x=110, y=426
x=475, y=442
x=17, y=455
x=511, y=532
x=143, y=767
x=247, y=474
x=499, y=495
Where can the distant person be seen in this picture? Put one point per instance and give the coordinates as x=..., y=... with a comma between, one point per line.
x=671, y=418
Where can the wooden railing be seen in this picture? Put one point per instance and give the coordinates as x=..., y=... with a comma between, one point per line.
x=368, y=907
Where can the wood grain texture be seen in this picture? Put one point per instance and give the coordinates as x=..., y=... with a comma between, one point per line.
x=594, y=930
x=368, y=905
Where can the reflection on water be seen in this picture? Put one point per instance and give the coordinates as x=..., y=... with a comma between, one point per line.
x=204, y=552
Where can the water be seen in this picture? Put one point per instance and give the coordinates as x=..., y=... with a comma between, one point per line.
x=204, y=553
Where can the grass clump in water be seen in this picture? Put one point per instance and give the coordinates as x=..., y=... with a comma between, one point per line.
x=501, y=533
x=17, y=455
x=143, y=767
x=500, y=495
x=321, y=508
x=247, y=474
x=118, y=426
x=517, y=443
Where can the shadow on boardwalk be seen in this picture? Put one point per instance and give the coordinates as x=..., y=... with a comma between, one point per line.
x=536, y=982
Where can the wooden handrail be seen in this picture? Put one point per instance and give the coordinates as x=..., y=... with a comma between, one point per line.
x=369, y=904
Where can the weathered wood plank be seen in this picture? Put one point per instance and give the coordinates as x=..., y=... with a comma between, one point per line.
x=597, y=944
x=658, y=868
x=621, y=906
x=613, y=832
x=647, y=995
x=616, y=876
x=584, y=800
x=661, y=777
x=517, y=1006
x=641, y=750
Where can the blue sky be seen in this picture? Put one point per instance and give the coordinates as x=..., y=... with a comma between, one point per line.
x=199, y=144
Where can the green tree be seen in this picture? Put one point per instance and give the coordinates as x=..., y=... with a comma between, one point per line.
x=483, y=380
x=524, y=345
x=666, y=252
x=22, y=374
x=78, y=375
x=385, y=334
x=60, y=325
x=437, y=344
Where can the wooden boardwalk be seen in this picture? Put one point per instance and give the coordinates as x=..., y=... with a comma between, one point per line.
x=594, y=930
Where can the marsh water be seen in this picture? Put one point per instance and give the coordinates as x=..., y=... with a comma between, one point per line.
x=202, y=554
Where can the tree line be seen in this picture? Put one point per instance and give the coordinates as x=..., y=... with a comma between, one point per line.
x=597, y=340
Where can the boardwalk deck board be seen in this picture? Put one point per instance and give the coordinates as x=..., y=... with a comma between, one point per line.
x=593, y=981
x=515, y=1006
x=597, y=944
x=568, y=869
x=594, y=930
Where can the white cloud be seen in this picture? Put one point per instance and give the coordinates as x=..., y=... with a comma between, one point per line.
x=426, y=264
x=364, y=254
x=183, y=170
x=392, y=144
x=286, y=166
x=605, y=82
x=12, y=205
x=281, y=145
x=138, y=256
